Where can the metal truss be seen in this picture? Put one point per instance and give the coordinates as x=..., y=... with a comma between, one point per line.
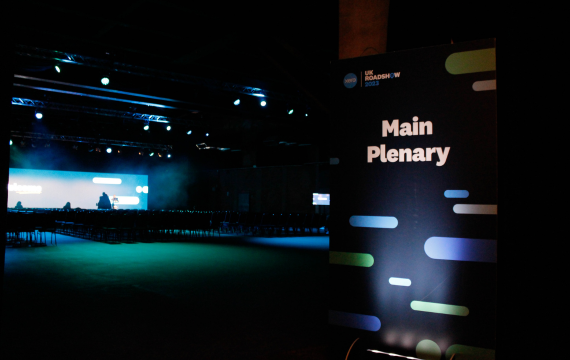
x=77, y=59
x=86, y=140
x=104, y=112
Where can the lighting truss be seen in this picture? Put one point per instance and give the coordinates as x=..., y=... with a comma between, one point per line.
x=105, y=112
x=109, y=65
x=86, y=140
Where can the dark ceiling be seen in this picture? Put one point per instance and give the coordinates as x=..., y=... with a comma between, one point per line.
x=185, y=63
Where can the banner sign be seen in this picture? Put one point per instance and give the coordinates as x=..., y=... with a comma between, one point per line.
x=413, y=233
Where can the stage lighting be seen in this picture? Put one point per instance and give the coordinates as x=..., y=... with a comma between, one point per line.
x=98, y=149
x=306, y=114
x=11, y=142
x=109, y=150
x=207, y=134
x=57, y=69
x=237, y=102
x=168, y=128
x=159, y=154
x=39, y=115
x=141, y=152
x=189, y=132
x=263, y=103
x=290, y=111
x=105, y=80
x=146, y=126
x=169, y=155
x=151, y=153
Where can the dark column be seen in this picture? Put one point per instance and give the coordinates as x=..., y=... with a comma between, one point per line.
x=363, y=26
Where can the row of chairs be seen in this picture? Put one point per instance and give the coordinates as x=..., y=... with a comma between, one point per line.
x=30, y=228
x=274, y=224
x=115, y=226
x=135, y=225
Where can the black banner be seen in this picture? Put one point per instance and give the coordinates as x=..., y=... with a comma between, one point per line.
x=413, y=231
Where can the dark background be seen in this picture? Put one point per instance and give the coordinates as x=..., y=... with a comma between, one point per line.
x=218, y=42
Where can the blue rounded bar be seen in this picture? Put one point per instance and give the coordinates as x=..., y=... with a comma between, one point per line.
x=386, y=222
x=461, y=249
x=355, y=321
x=462, y=194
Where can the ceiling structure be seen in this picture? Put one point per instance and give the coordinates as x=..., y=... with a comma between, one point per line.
x=182, y=64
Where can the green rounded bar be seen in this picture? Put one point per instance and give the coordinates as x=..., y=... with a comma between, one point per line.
x=471, y=61
x=470, y=352
x=349, y=258
x=439, y=308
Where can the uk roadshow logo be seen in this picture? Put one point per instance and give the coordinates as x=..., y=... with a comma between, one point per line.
x=370, y=79
x=350, y=80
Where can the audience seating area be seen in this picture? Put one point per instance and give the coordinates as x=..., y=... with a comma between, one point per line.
x=29, y=227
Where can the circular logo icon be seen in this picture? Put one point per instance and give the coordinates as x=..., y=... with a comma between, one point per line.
x=350, y=80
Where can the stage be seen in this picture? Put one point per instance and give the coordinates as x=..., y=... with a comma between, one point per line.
x=227, y=297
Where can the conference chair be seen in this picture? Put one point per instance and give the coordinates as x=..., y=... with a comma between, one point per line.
x=69, y=221
x=12, y=230
x=40, y=219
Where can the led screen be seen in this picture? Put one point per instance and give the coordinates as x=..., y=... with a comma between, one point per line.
x=321, y=199
x=53, y=189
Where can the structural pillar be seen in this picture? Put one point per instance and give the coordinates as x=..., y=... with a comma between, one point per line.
x=363, y=27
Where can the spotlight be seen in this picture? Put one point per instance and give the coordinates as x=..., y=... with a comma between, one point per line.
x=39, y=115
x=237, y=102
x=168, y=128
x=207, y=134
x=141, y=152
x=263, y=103
x=169, y=155
x=159, y=154
x=118, y=151
x=151, y=153
x=105, y=80
x=57, y=69
x=306, y=114
x=146, y=127
x=97, y=149
x=189, y=132
x=109, y=150
x=290, y=111
x=11, y=142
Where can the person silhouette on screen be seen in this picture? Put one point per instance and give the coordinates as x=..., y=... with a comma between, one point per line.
x=18, y=205
x=104, y=202
x=67, y=206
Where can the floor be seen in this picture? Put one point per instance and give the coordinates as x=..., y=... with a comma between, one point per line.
x=227, y=297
